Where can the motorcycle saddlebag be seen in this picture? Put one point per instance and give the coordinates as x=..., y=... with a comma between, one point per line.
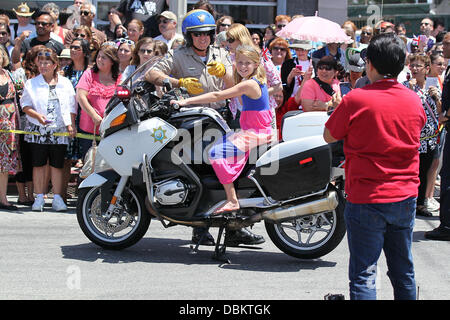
x=295, y=168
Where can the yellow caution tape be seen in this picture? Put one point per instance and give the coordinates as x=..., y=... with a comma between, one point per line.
x=56, y=134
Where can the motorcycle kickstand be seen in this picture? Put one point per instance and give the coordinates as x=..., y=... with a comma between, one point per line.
x=219, y=251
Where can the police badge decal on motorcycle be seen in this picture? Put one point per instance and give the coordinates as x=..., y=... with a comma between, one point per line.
x=159, y=134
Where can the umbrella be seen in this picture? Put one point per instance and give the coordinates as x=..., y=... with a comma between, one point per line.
x=314, y=28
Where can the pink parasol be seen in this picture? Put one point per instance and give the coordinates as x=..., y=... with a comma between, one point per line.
x=314, y=28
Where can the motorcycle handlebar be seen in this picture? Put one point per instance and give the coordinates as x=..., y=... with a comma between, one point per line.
x=163, y=108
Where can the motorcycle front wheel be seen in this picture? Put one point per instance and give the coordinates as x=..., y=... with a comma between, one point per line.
x=310, y=237
x=123, y=228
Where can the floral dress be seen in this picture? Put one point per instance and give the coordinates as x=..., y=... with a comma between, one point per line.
x=9, y=158
x=430, y=132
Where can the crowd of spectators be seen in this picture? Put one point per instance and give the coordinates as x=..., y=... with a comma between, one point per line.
x=302, y=76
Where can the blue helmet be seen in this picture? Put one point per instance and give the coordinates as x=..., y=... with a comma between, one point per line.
x=198, y=20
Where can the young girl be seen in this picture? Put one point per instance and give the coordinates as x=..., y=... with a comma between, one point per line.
x=228, y=156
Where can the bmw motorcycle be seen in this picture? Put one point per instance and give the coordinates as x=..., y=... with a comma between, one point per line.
x=157, y=169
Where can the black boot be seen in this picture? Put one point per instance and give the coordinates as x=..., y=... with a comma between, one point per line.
x=234, y=238
x=198, y=232
x=440, y=233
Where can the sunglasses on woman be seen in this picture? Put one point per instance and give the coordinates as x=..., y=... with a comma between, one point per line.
x=127, y=41
x=44, y=54
x=85, y=13
x=79, y=35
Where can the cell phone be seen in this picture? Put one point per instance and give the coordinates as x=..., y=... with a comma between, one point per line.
x=299, y=67
x=48, y=121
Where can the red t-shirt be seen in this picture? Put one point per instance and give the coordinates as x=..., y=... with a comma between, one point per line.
x=380, y=125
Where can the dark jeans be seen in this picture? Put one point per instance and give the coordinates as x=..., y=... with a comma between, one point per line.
x=444, y=211
x=84, y=144
x=376, y=227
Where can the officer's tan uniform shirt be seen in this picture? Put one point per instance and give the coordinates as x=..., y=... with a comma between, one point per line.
x=184, y=63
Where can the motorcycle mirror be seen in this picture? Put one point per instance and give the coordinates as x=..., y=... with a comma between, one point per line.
x=167, y=85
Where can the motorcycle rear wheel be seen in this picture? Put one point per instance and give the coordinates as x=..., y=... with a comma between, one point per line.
x=310, y=237
x=123, y=229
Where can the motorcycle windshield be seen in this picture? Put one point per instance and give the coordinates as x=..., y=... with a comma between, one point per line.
x=140, y=71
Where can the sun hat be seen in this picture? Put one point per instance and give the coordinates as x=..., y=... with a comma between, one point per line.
x=65, y=54
x=302, y=44
x=23, y=10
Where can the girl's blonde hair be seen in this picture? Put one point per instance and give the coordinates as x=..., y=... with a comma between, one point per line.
x=252, y=53
x=239, y=32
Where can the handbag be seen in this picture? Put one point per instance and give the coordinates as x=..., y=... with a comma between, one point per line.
x=93, y=162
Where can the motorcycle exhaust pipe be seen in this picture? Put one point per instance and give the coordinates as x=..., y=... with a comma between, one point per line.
x=324, y=204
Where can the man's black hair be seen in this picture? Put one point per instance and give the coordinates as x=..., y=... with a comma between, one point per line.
x=387, y=53
x=41, y=13
x=438, y=22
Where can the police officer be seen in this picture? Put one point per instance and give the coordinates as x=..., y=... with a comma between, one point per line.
x=200, y=67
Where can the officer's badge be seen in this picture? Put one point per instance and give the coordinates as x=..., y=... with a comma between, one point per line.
x=201, y=17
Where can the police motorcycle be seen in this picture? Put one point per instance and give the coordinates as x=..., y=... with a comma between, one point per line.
x=157, y=169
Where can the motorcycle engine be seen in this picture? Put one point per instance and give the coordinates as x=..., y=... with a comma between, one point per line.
x=170, y=192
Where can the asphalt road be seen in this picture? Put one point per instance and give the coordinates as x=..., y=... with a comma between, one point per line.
x=46, y=256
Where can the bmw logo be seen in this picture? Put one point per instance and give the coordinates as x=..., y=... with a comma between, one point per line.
x=119, y=150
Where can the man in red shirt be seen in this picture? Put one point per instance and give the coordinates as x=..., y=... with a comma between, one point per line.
x=380, y=125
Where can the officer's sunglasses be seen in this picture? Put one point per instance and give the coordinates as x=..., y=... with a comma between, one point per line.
x=200, y=33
